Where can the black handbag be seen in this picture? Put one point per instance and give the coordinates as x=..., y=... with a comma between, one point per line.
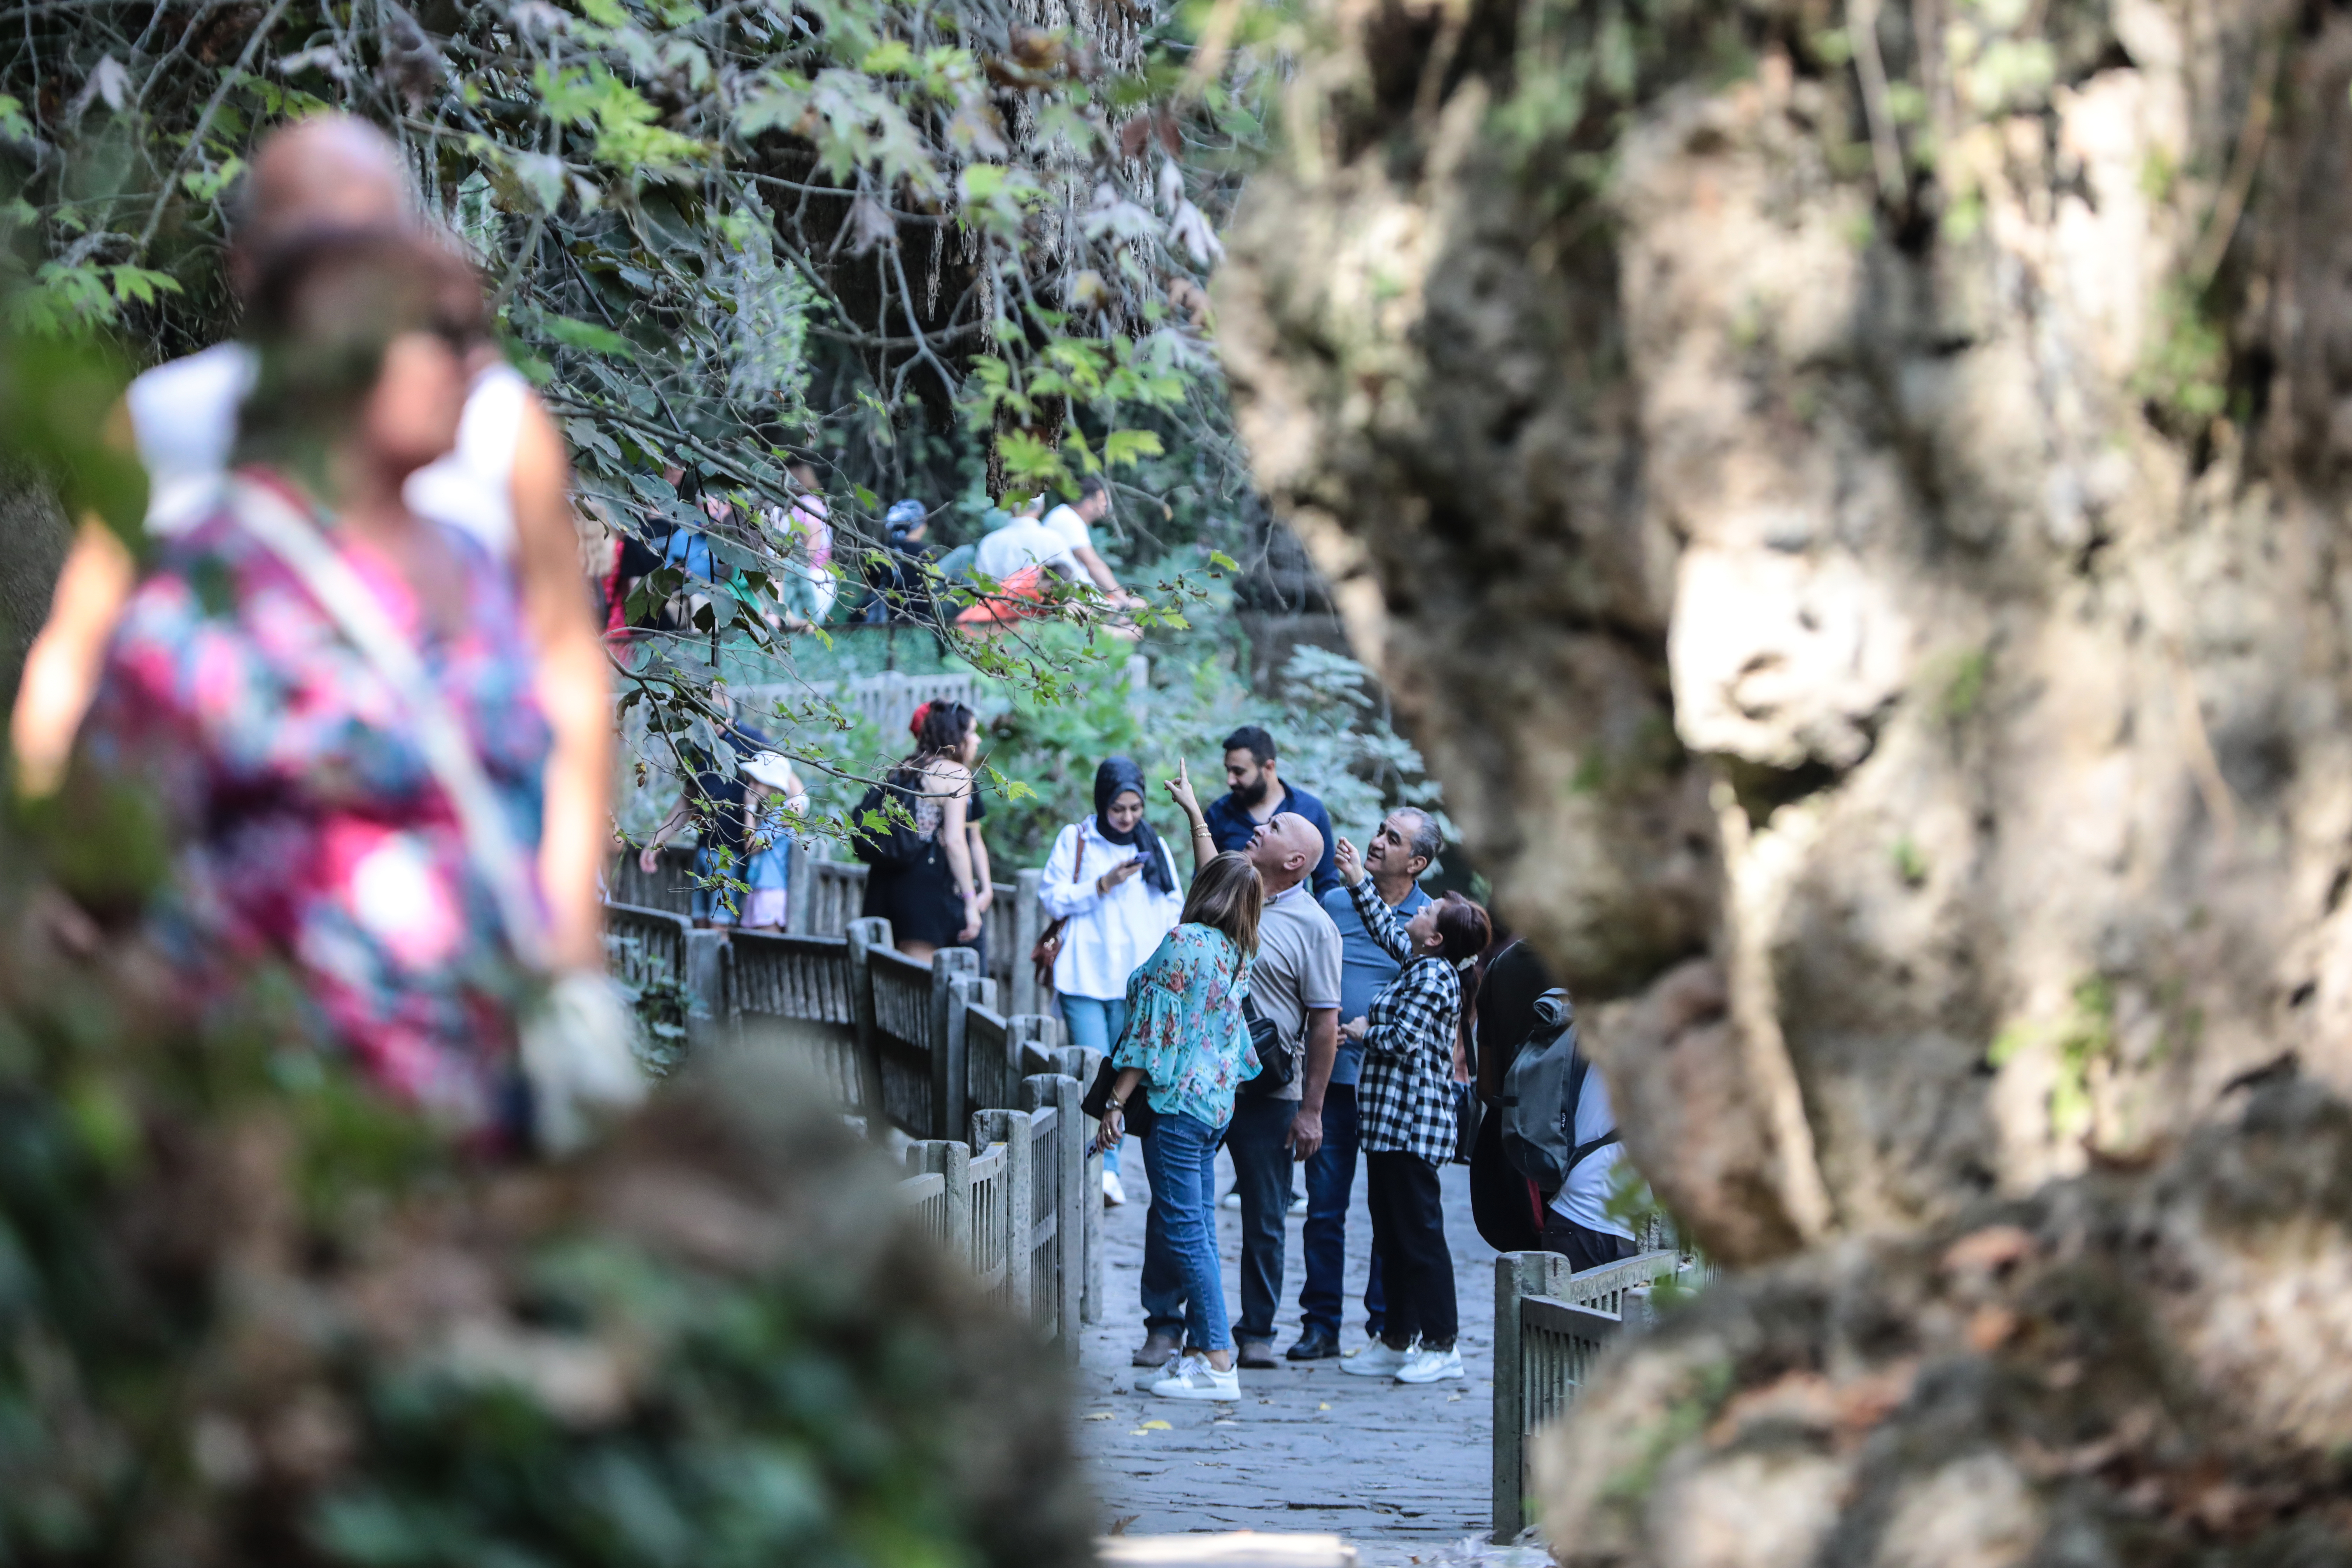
x=1137, y=1112
x=1468, y=1112
x=1275, y=1067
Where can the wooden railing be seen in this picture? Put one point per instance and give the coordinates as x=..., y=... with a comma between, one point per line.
x=1001, y=1169
x=793, y=992
x=1551, y=1327
x=825, y=896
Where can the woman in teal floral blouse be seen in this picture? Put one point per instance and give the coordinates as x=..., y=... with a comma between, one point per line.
x=1185, y=1040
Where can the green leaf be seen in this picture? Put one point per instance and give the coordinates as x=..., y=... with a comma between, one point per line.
x=587, y=335
x=1128, y=447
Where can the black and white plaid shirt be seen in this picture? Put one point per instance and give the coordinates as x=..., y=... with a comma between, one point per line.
x=1405, y=1100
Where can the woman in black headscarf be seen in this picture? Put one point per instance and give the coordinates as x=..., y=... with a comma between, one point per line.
x=1111, y=890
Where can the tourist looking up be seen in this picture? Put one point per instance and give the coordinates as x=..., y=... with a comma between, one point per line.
x=1073, y=521
x=334, y=700
x=1295, y=985
x=934, y=902
x=1404, y=846
x=1186, y=1051
x=1255, y=794
x=1114, y=886
x=1406, y=1122
x=506, y=483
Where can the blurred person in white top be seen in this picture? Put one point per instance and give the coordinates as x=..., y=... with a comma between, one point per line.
x=507, y=482
x=1114, y=881
x=1074, y=522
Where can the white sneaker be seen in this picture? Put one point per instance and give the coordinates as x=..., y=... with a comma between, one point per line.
x=1431, y=1366
x=1298, y=1202
x=1194, y=1378
x=1375, y=1360
x=1232, y=1200
x=1114, y=1193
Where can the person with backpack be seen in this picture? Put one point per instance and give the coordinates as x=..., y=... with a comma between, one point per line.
x=1406, y=1121
x=1560, y=1133
x=1111, y=890
x=911, y=835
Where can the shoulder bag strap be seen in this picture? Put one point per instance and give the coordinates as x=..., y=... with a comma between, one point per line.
x=448, y=750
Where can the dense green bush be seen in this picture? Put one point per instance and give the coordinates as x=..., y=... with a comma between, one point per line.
x=250, y=1314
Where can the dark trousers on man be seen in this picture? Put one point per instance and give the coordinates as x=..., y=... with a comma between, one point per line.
x=1330, y=1184
x=1258, y=1138
x=1582, y=1245
x=1409, y=1239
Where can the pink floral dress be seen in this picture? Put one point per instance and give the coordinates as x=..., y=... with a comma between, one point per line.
x=312, y=831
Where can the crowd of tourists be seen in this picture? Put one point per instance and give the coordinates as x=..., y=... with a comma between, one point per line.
x=357, y=668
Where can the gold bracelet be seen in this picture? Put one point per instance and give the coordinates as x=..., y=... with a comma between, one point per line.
x=1202, y=832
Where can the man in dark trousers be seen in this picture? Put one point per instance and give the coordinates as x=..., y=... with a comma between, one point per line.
x=1255, y=795
x=1405, y=846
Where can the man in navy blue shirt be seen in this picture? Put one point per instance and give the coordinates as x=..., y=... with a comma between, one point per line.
x=1255, y=796
x=1405, y=846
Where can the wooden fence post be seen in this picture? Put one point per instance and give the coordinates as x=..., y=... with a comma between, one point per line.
x=862, y=937
x=1080, y=1065
x=1028, y=925
x=705, y=990
x=952, y=1161
x=948, y=1099
x=1518, y=1275
x=1011, y=1128
x=1068, y=1170
x=964, y=993
x=800, y=888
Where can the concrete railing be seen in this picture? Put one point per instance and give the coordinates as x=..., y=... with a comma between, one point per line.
x=1550, y=1326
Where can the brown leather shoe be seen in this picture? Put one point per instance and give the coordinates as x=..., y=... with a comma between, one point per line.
x=1256, y=1354
x=1159, y=1348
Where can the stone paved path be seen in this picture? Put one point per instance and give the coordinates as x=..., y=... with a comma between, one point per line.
x=1401, y=1471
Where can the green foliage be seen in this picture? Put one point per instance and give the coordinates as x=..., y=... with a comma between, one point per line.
x=921, y=245
x=2185, y=372
x=253, y=1312
x=2085, y=1036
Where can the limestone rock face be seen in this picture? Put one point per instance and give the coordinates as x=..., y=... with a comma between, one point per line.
x=1876, y=568
x=1850, y=497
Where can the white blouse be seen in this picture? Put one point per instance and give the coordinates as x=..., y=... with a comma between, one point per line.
x=1108, y=936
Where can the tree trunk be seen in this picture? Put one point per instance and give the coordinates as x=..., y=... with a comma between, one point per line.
x=1847, y=497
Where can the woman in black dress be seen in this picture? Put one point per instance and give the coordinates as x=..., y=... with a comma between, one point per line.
x=934, y=901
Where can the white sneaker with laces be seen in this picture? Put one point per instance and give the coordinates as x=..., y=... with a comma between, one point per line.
x=1431, y=1366
x=1375, y=1360
x=1194, y=1378
x=1114, y=1190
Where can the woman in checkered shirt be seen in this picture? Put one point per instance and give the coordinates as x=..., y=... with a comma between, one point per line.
x=1404, y=1111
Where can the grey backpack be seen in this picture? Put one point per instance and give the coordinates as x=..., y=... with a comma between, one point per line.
x=1539, y=1094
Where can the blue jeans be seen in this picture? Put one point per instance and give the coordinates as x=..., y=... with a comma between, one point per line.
x=1096, y=1025
x=1180, y=1157
x=1330, y=1182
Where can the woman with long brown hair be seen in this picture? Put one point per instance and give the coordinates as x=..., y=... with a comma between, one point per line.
x=934, y=901
x=1187, y=1047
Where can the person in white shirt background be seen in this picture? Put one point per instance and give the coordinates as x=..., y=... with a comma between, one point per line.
x=1021, y=543
x=1115, y=883
x=508, y=483
x=1073, y=521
